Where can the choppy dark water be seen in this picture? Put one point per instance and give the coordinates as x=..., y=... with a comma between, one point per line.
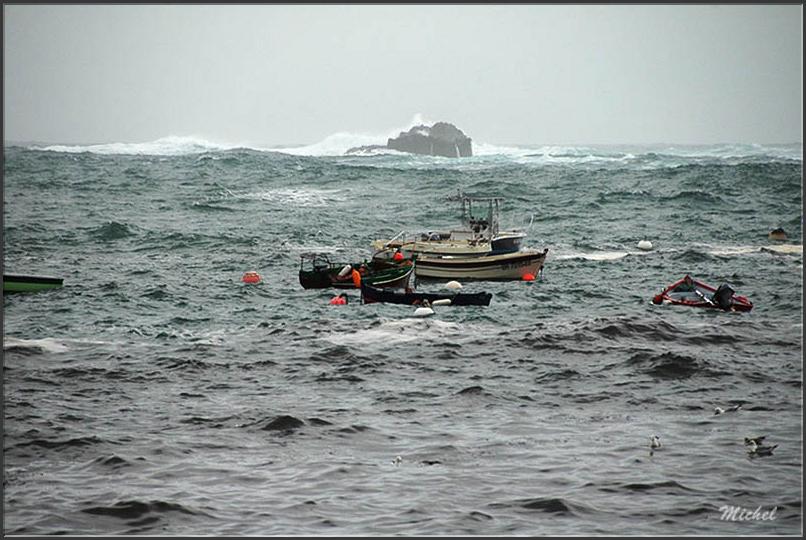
x=157, y=394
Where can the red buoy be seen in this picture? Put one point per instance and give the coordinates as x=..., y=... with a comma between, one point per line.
x=397, y=256
x=251, y=277
x=528, y=277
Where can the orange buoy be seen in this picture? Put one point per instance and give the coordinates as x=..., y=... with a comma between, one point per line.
x=356, y=279
x=251, y=277
x=528, y=277
x=397, y=256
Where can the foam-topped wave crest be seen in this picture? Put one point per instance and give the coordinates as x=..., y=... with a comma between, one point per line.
x=165, y=146
x=345, y=143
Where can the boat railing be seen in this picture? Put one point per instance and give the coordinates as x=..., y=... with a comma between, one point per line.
x=395, y=237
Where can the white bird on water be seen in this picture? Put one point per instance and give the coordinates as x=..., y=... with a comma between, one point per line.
x=719, y=410
x=756, y=446
x=654, y=444
x=757, y=449
x=754, y=440
x=397, y=460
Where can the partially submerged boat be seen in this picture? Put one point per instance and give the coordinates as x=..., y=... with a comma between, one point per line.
x=693, y=293
x=502, y=267
x=371, y=294
x=317, y=271
x=13, y=283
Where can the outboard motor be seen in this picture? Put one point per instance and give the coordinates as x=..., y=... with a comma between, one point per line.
x=723, y=296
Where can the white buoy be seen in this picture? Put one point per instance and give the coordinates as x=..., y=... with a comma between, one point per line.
x=423, y=312
x=646, y=245
x=453, y=285
x=345, y=270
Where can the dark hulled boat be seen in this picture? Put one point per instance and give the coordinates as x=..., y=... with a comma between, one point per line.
x=370, y=295
x=317, y=271
x=13, y=283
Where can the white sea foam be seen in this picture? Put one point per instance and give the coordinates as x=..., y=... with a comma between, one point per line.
x=294, y=197
x=41, y=345
x=400, y=331
x=787, y=249
x=166, y=146
x=598, y=255
x=724, y=251
x=337, y=144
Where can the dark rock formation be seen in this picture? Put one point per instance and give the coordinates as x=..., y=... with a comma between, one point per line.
x=368, y=149
x=441, y=139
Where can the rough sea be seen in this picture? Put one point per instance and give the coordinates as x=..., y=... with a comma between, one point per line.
x=155, y=393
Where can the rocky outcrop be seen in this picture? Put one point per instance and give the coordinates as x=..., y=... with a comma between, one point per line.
x=441, y=139
x=368, y=149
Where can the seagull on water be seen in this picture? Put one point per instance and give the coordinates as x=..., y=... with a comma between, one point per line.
x=756, y=449
x=654, y=444
x=748, y=441
x=719, y=410
x=397, y=460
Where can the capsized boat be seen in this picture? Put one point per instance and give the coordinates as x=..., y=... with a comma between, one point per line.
x=371, y=295
x=693, y=293
x=503, y=267
x=13, y=283
x=317, y=271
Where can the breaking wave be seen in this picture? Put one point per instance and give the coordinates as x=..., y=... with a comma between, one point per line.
x=338, y=144
x=166, y=146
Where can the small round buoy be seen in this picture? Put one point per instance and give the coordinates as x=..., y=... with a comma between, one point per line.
x=646, y=245
x=340, y=300
x=423, y=312
x=397, y=256
x=453, y=285
x=251, y=277
x=528, y=277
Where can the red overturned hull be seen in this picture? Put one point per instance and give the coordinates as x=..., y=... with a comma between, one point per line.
x=693, y=293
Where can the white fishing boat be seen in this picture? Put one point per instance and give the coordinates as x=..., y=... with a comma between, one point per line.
x=455, y=243
x=477, y=236
x=522, y=264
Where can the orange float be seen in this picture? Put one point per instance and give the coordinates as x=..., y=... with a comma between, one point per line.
x=251, y=277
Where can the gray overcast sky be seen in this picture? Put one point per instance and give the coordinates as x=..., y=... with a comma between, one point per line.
x=504, y=74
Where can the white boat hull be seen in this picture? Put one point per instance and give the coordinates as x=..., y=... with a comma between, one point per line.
x=509, y=266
